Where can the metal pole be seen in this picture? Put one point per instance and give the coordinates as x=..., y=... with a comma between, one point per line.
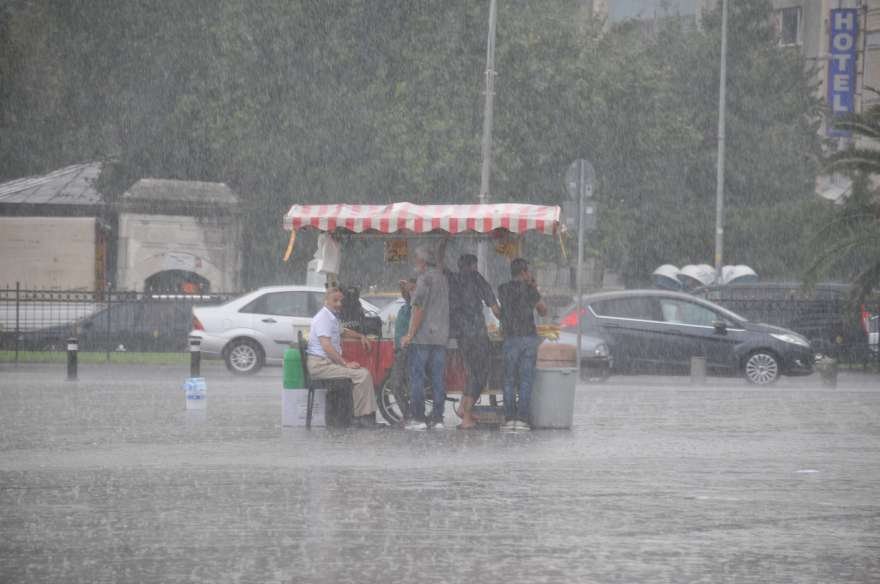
x=195, y=356
x=17, y=317
x=719, y=180
x=580, y=265
x=107, y=340
x=72, y=348
x=488, y=114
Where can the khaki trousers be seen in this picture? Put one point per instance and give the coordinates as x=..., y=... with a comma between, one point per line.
x=363, y=395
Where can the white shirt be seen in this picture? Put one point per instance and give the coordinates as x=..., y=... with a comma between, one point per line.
x=324, y=324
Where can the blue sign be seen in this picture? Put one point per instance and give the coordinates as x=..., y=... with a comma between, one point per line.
x=844, y=25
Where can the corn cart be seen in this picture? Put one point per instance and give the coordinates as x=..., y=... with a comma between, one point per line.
x=503, y=224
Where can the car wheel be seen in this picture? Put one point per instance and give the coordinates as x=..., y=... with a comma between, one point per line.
x=244, y=357
x=595, y=374
x=762, y=368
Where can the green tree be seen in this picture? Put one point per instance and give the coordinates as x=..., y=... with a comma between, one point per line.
x=307, y=101
x=665, y=190
x=849, y=245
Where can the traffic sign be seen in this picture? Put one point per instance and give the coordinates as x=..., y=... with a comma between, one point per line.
x=579, y=179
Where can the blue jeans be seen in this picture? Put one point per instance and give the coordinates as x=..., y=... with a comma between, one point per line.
x=520, y=357
x=421, y=360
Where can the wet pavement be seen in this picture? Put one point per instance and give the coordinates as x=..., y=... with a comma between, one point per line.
x=109, y=479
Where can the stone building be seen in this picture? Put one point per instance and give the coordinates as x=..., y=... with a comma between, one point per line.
x=54, y=231
x=180, y=236
x=57, y=232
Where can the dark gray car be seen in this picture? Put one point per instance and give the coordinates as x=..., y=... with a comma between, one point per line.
x=656, y=331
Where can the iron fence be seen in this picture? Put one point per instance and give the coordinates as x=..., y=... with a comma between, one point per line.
x=102, y=321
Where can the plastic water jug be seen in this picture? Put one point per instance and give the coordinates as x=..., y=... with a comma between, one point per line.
x=196, y=391
x=293, y=374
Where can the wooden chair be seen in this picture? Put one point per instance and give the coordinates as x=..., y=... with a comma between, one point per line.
x=334, y=385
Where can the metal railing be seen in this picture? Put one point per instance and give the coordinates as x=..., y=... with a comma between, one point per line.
x=102, y=321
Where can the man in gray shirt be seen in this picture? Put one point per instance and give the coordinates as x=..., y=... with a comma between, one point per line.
x=427, y=338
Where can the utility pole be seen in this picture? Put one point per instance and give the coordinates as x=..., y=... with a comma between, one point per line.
x=486, y=169
x=719, y=187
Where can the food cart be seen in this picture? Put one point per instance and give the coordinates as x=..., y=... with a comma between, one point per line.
x=501, y=223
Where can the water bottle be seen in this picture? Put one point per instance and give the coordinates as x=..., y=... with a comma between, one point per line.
x=195, y=389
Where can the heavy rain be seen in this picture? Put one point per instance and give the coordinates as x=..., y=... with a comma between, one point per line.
x=640, y=342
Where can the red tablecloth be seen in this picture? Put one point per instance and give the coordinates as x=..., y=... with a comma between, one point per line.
x=378, y=359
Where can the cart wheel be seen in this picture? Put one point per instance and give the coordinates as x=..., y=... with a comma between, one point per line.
x=393, y=402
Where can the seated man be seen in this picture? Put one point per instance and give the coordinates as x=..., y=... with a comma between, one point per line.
x=325, y=360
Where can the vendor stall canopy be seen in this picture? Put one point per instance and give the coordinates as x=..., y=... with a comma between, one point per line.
x=406, y=217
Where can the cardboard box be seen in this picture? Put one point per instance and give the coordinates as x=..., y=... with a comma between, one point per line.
x=294, y=403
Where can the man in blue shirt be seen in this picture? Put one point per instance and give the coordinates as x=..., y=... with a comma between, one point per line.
x=401, y=321
x=325, y=360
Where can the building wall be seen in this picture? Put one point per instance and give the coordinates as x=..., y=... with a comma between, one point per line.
x=149, y=244
x=815, y=39
x=55, y=253
x=871, y=31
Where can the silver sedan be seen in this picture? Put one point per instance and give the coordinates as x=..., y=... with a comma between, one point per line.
x=255, y=329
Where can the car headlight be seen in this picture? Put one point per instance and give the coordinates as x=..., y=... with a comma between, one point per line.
x=793, y=339
x=601, y=350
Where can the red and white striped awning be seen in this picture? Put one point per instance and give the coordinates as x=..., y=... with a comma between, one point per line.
x=397, y=217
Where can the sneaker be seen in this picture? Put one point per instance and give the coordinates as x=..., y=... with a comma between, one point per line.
x=508, y=426
x=438, y=426
x=416, y=425
x=520, y=426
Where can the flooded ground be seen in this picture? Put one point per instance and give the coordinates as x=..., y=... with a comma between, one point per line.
x=109, y=479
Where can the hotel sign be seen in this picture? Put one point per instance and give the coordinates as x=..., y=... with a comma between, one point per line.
x=842, y=65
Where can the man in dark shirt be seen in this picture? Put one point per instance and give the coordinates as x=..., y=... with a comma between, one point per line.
x=468, y=292
x=519, y=299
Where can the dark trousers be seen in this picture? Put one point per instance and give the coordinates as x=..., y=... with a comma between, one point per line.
x=475, y=353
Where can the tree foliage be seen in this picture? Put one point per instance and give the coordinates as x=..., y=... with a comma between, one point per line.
x=849, y=245
x=310, y=101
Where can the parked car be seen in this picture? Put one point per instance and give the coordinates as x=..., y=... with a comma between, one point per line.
x=823, y=314
x=255, y=329
x=381, y=299
x=152, y=323
x=874, y=333
x=657, y=331
x=595, y=359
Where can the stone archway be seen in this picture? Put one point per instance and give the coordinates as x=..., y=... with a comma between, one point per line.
x=189, y=232
x=177, y=281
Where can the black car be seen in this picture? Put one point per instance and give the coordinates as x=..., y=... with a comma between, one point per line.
x=137, y=325
x=656, y=331
x=822, y=314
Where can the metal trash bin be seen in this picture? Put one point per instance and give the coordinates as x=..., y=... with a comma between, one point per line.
x=553, y=397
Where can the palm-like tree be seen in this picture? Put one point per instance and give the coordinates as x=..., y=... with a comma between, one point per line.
x=853, y=238
x=858, y=159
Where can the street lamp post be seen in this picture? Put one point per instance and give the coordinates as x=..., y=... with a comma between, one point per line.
x=719, y=179
x=488, y=112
